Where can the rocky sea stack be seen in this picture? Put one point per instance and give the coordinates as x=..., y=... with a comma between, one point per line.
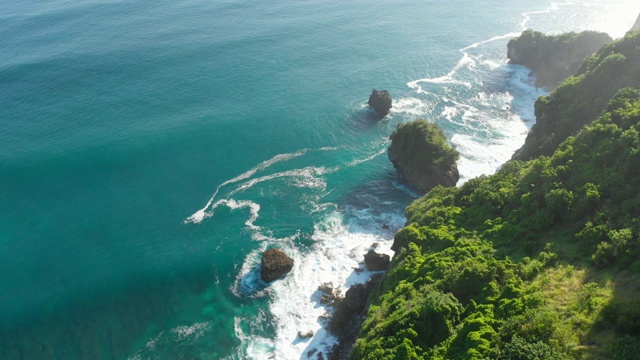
x=275, y=263
x=380, y=101
x=422, y=156
x=554, y=58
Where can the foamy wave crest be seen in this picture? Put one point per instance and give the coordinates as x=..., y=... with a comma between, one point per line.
x=307, y=177
x=410, y=106
x=188, y=336
x=368, y=158
x=254, y=210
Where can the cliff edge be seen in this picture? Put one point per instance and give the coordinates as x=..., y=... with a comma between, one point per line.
x=583, y=97
x=552, y=59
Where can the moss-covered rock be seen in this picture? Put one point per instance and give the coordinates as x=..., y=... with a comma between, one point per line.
x=422, y=156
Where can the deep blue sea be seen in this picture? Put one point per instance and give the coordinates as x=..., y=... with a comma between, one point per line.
x=150, y=151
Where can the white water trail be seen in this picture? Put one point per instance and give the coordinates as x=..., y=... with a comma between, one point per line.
x=199, y=215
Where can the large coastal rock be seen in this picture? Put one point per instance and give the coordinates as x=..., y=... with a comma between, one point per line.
x=420, y=153
x=375, y=261
x=552, y=59
x=380, y=101
x=275, y=263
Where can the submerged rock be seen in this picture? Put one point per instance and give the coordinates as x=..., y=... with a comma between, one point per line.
x=376, y=262
x=380, y=101
x=275, y=263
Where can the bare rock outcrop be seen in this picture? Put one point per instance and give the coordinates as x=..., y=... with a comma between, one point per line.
x=380, y=101
x=375, y=262
x=275, y=263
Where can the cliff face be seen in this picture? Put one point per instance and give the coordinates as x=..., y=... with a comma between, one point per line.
x=582, y=97
x=541, y=259
x=420, y=153
x=537, y=261
x=554, y=58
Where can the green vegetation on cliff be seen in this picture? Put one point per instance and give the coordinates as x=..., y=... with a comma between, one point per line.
x=554, y=58
x=539, y=261
x=422, y=156
x=583, y=97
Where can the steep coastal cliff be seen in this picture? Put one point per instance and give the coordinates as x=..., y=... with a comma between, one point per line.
x=554, y=58
x=582, y=97
x=539, y=260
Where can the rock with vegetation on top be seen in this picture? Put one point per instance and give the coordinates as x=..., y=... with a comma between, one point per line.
x=422, y=156
x=275, y=263
x=380, y=101
x=552, y=59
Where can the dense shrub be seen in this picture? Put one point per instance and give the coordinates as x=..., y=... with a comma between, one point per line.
x=464, y=283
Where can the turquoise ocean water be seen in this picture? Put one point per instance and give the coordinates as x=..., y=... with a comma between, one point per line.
x=150, y=151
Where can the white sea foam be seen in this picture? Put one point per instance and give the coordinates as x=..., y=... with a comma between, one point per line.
x=307, y=177
x=410, y=106
x=490, y=125
x=339, y=242
x=199, y=215
x=339, y=247
x=193, y=332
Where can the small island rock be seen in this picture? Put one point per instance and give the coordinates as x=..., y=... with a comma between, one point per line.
x=422, y=156
x=380, y=101
x=275, y=263
x=376, y=262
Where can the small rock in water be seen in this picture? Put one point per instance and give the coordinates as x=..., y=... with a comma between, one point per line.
x=275, y=263
x=380, y=101
x=311, y=352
